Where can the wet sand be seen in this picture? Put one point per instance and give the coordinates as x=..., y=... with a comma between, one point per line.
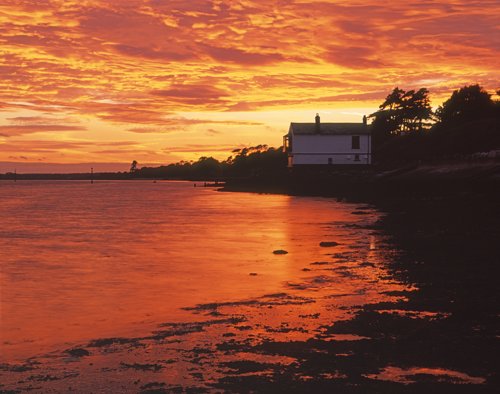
x=403, y=299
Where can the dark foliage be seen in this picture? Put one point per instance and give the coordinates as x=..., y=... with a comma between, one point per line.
x=133, y=166
x=466, y=104
x=253, y=161
x=402, y=112
x=467, y=123
x=256, y=161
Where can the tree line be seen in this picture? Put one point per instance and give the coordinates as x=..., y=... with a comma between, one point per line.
x=245, y=162
x=404, y=129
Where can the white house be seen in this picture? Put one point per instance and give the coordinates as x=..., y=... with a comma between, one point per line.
x=328, y=143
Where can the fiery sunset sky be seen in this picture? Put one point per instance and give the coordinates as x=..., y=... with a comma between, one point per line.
x=158, y=81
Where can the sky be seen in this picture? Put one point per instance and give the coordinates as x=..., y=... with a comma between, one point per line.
x=103, y=83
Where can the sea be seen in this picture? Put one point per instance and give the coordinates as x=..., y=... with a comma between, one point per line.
x=104, y=285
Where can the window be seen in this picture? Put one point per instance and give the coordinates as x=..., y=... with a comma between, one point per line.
x=356, y=157
x=355, y=142
x=287, y=143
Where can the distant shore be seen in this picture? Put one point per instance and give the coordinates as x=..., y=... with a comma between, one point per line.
x=324, y=181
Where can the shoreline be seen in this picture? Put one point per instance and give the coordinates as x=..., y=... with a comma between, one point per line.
x=441, y=337
x=447, y=230
x=374, y=183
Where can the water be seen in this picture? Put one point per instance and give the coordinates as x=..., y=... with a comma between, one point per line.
x=80, y=261
x=147, y=262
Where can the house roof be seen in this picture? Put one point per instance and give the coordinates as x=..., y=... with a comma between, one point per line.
x=329, y=128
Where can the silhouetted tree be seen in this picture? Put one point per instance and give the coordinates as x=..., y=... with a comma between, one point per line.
x=416, y=110
x=259, y=160
x=133, y=166
x=206, y=168
x=468, y=122
x=387, y=120
x=401, y=112
x=466, y=104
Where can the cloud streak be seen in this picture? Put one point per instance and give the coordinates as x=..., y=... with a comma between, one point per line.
x=111, y=68
x=14, y=130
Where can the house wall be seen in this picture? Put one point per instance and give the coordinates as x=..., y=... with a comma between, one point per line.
x=318, y=149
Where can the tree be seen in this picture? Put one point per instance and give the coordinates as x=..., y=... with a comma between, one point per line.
x=417, y=109
x=256, y=161
x=401, y=113
x=206, y=167
x=387, y=120
x=466, y=104
x=468, y=122
x=133, y=166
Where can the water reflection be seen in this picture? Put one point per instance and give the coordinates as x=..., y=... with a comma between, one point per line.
x=171, y=283
x=83, y=262
x=410, y=375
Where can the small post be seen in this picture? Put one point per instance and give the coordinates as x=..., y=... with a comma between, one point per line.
x=15, y=174
x=91, y=174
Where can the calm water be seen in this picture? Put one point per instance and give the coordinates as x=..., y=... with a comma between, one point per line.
x=145, y=277
x=83, y=261
x=137, y=286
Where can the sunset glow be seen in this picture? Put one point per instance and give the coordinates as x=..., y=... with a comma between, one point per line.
x=160, y=81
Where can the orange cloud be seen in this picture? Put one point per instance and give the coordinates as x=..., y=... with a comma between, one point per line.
x=101, y=70
x=176, y=124
x=13, y=130
x=240, y=56
x=192, y=94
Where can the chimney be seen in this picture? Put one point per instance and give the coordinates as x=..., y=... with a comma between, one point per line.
x=365, y=120
x=317, y=123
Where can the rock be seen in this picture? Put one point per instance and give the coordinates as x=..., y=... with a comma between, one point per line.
x=142, y=367
x=78, y=352
x=253, y=274
x=280, y=251
x=328, y=244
